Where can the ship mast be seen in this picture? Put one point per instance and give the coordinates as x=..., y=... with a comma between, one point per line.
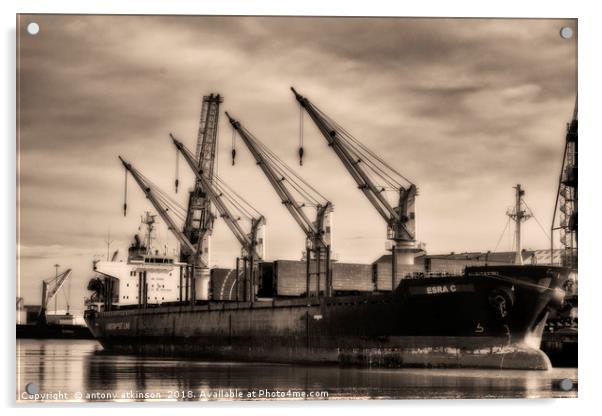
x=149, y=222
x=519, y=215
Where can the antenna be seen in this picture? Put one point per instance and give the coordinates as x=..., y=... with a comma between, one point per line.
x=149, y=221
x=108, y=242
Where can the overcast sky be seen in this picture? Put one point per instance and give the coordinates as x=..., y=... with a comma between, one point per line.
x=466, y=108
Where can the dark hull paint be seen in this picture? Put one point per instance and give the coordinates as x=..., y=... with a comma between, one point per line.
x=450, y=321
x=53, y=331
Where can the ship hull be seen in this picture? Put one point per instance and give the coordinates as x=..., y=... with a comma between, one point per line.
x=451, y=321
x=52, y=331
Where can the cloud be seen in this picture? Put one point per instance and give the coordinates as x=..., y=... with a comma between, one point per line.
x=466, y=108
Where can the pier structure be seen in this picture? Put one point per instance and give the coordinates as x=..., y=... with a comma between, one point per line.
x=564, y=222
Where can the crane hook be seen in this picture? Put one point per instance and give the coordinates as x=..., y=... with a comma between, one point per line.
x=177, y=169
x=233, y=145
x=125, y=195
x=301, y=151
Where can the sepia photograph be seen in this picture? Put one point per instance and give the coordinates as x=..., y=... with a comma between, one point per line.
x=295, y=208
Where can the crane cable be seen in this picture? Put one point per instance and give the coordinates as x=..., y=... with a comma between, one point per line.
x=233, y=145
x=285, y=172
x=227, y=198
x=301, y=151
x=167, y=202
x=177, y=170
x=238, y=201
x=298, y=184
x=359, y=145
x=501, y=235
x=536, y=220
x=290, y=174
x=125, y=194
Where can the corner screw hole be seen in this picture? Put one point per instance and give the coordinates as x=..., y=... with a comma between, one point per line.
x=566, y=384
x=566, y=32
x=32, y=388
x=33, y=28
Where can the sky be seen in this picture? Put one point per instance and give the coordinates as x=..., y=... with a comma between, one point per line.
x=466, y=108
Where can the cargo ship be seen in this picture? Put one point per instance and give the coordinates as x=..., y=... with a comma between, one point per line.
x=487, y=316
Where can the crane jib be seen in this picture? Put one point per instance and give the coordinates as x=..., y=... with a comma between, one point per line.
x=395, y=217
x=277, y=182
x=248, y=243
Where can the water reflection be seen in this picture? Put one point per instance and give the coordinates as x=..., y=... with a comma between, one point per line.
x=82, y=366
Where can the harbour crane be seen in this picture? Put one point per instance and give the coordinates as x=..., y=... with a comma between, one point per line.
x=373, y=177
x=564, y=220
x=50, y=287
x=286, y=183
x=158, y=203
x=221, y=199
x=163, y=206
x=198, y=224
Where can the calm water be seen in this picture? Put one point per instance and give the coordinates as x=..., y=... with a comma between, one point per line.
x=70, y=369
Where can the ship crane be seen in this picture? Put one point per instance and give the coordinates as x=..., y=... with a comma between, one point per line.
x=366, y=168
x=158, y=202
x=286, y=183
x=163, y=205
x=198, y=224
x=221, y=198
x=50, y=287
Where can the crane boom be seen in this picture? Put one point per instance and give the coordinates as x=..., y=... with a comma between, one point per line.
x=162, y=211
x=49, y=291
x=400, y=219
x=198, y=224
x=248, y=243
x=313, y=231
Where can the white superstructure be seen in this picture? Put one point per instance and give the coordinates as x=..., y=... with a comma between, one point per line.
x=162, y=279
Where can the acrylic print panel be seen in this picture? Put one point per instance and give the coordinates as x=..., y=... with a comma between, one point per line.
x=191, y=228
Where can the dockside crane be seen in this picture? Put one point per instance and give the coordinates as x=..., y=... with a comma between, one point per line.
x=220, y=197
x=198, y=224
x=286, y=183
x=163, y=206
x=564, y=220
x=158, y=203
x=374, y=177
x=50, y=287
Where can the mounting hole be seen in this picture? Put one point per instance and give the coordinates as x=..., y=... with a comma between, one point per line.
x=32, y=388
x=566, y=384
x=33, y=28
x=566, y=32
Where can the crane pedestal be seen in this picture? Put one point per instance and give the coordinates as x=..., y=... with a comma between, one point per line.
x=201, y=283
x=402, y=254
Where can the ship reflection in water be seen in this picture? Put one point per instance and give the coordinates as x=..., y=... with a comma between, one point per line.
x=80, y=366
